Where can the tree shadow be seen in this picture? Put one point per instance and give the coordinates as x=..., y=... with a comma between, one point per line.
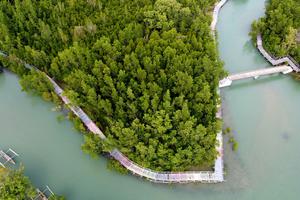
x=240, y=2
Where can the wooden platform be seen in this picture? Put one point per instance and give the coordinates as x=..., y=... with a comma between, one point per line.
x=43, y=195
x=7, y=158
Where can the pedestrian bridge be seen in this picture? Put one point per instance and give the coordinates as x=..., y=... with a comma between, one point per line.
x=254, y=74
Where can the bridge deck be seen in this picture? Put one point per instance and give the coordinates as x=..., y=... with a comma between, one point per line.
x=253, y=74
x=259, y=72
x=292, y=66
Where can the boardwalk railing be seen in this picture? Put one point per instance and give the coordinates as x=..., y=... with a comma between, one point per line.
x=274, y=60
x=293, y=66
x=7, y=157
x=162, y=177
x=254, y=74
x=44, y=195
x=216, y=12
x=155, y=176
x=260, y=72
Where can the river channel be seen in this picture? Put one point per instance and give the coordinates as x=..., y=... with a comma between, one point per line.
x=263, y=114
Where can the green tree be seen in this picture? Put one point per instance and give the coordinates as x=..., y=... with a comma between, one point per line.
x=145, y=72
x=16, y=186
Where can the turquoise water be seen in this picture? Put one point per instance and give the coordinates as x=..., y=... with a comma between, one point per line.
x=263, y=114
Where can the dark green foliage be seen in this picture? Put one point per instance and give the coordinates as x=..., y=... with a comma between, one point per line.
x=14, y=185
x=145, y=71
x=94, y=145
x=231, y=139
x=227, y=131
x=233, y=142
x=56, y=197
x=115, y=165
x=279, y=28
x=296, y=76
x=37, y=82
x=235, y=145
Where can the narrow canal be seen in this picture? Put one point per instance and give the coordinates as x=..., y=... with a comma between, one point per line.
x=263, y=114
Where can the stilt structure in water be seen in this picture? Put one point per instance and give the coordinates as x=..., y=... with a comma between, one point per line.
x=44, y=195
x=284, y=69
x=7, y=157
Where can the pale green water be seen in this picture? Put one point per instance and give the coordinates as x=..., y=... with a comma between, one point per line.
x=264, y=114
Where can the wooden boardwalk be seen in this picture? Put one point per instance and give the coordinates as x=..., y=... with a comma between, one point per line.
x=7, y=157
x=215, y=176
x=216, y=12
x=254, y=74
x=273, y=60
x=260, y=72
x=44, y=195
x=292, y=65
x=155, y=176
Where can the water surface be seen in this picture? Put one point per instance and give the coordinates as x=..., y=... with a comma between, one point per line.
x=263, y=114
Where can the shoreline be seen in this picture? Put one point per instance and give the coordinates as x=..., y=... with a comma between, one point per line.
x=275, y=60
x=215, y=176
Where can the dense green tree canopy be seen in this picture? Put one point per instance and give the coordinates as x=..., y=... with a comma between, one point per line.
x=280, y=28
x=145, y=71
x=14, y=185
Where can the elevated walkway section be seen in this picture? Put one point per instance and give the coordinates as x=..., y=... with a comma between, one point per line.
x=216, y=12
x=215, y=176
x=161, y=177
x=254, y=74
x=273, y=60
x=290, y=65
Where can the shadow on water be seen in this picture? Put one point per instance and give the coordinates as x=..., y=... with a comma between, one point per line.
x=2, y=78
x=240, y=2
x=296, y=82
x=250, y=48
x=285, y=136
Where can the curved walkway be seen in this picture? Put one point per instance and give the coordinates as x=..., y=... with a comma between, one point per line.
x=216, y=12
x=155, y=176
x=163, y=177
